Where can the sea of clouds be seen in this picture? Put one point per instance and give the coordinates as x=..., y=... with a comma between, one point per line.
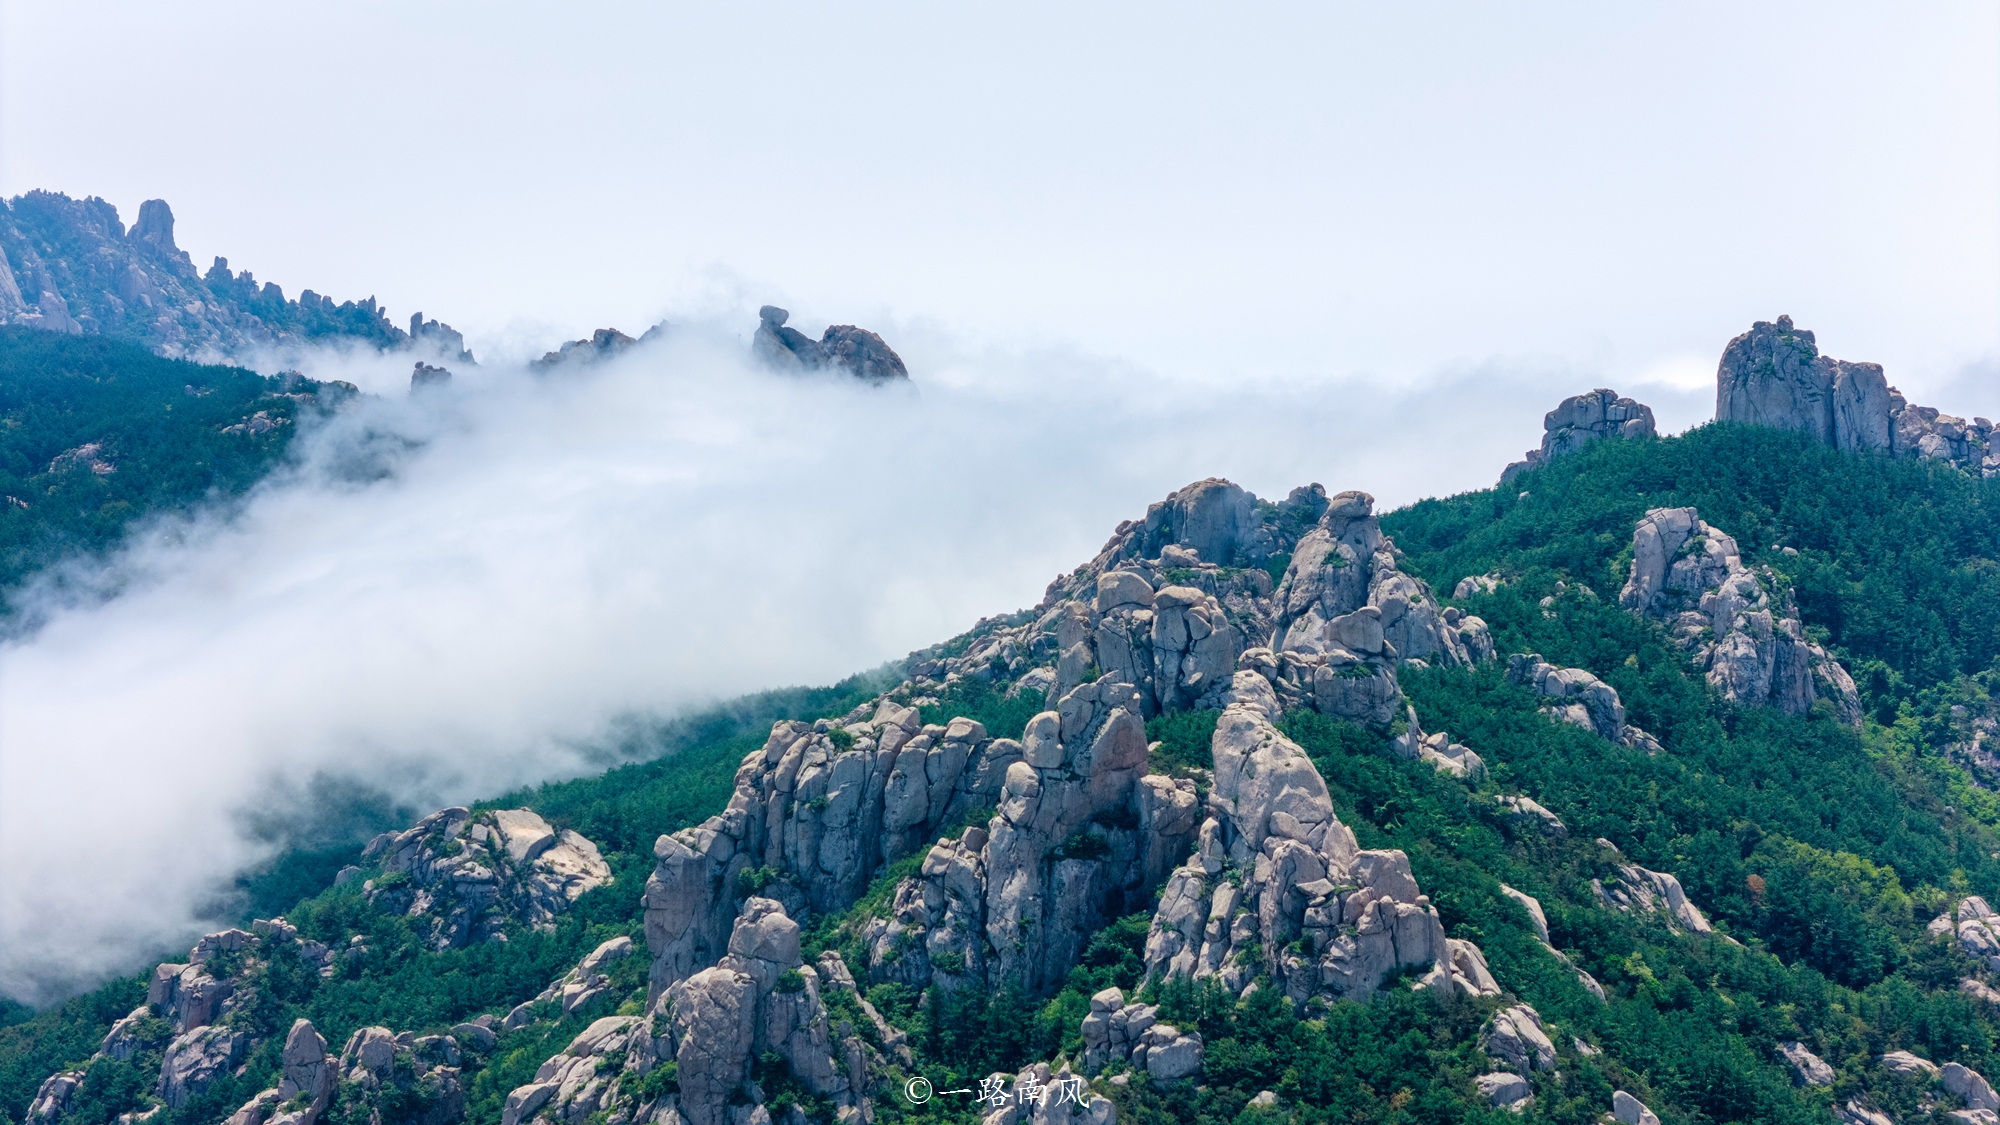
x=454, y=592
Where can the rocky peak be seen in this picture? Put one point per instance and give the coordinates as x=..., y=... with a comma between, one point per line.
x=601, y=345
x=857, y=351
x=69, y=265
x=1582, y=419
x=155, y=230
x=1774, y=375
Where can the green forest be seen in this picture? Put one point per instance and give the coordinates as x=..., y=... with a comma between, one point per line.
x=97, y=435
x=1819, y=851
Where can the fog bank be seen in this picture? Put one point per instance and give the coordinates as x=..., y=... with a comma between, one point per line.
x=460, y=591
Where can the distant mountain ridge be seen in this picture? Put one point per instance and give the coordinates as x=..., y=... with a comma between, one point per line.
x=72, y=266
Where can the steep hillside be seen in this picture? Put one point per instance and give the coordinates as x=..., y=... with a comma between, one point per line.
x=95, y=434
x=70, y=266
x=1677, y=809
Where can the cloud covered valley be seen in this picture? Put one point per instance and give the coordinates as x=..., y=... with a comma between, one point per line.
x=452, y=593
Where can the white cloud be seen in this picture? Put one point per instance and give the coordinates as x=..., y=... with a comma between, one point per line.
x=546, y=554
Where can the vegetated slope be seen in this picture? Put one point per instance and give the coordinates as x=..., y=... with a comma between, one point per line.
x=95, y=434
x=1821, y=851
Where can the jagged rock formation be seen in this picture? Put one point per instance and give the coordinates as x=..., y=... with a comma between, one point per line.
x=1773, y=375
x=1750, y=644
x=1279, y=886
x=1063, y=829
x=1580, y=699
x=191, y=1015
x=473, y=875
x=426, y=375
x=757, y=1001
x=857, y=351
x=602, y=344
x=1580, y=420
x=71, y=266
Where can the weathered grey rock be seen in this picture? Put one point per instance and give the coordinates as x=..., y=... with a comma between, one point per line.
x=1970, y=1085
x=378, y=1067
x=1540, y=922
x=1581, y=420
x=603, y=344
x=716, y=1021
x=1857, y=1112
x=1515, y=1038
x=856, y=351
x=53, y=1096
x=1580, y=699
x=472, y=875
x=1751, y=645
x=1629, y=1110
x=1437, y=749
x=69, y=265
x=1345, y=565
x=1527, y=811
x=1773, y=375
x=1908, y=1065
x=197, y=1058
x=1974, y=926
x=426, y=376
x=1506, y=1090
x=1072, y=845
x=1636, y=890
x=827, y=817
x=1808, y=1069
x=1329, y=918
x=307, y=1069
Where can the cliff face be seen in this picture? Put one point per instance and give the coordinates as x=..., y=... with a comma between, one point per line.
x=70, y=265
x=1774, y=375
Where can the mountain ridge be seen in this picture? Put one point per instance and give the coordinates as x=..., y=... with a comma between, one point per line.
x=1612, y=880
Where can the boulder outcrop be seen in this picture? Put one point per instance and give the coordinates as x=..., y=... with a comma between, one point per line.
x=759, y=1004
x=1581, y=420
x=1580, y=699
x=1973, y=925
x=1279, y=886
x=1082, y=834
x=1514, y=1038
x=1774, y=375
x=1636, y=890
x=843, y=347
x=471, y=876
x=1808, y=1069
x=1437, y=749
x=1750, y=644
x=69, y=265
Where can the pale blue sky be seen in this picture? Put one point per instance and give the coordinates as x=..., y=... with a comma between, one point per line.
x=1206, y=191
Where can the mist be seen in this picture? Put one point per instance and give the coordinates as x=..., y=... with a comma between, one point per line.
x=452, y=593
